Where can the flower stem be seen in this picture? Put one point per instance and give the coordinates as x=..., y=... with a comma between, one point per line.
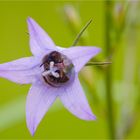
x=108, y=74
x=97, y=63
x=81, y=32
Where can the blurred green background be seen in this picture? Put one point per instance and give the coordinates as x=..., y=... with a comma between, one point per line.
x=112, y=91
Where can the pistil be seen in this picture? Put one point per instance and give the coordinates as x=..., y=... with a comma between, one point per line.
x=51, y=71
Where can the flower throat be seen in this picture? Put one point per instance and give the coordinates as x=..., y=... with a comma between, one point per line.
x=57, y=69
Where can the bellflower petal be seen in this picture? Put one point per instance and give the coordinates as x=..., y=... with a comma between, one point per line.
x=20, y=64
x=75, y=101
x=80, y=55
x=39, y=100
x=20, y=71
x=40, y=42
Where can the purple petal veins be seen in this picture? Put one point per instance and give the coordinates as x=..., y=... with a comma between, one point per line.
x=21, y=71
x=39, y=100
x=75, y=101
x=40, y=42
x=49, y=71
x=80, y=55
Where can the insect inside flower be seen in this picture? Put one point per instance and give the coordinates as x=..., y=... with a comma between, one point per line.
x=58, y=69
x=53, y=73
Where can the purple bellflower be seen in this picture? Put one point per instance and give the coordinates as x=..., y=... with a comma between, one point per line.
x=53, y=72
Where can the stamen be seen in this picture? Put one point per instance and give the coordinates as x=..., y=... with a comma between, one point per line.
x=55, y=74
x=51, y=65
x=47, y=72
x=51, y=70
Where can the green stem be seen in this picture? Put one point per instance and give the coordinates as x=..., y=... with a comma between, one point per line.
x=97, y=63
x=81, y=32
x=108, y=75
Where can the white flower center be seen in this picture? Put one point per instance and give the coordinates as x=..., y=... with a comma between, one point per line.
x=51, y=71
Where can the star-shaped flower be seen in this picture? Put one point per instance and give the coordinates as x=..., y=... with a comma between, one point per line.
x=53, y=72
